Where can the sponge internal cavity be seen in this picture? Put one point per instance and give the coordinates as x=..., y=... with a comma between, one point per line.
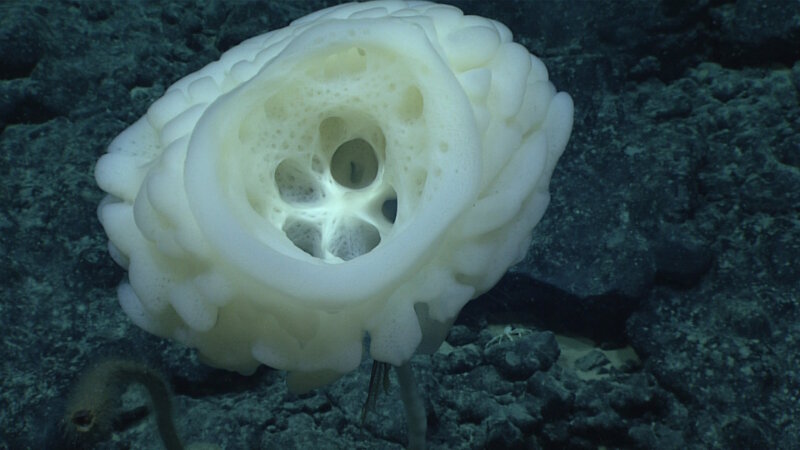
x=334, y=203
x=339, y=170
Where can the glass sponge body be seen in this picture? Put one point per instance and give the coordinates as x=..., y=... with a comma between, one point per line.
x=368, y=169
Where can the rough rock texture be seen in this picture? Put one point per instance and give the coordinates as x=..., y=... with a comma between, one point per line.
x=658, y=306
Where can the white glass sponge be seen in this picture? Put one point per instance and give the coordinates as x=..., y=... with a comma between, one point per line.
x=366, y=170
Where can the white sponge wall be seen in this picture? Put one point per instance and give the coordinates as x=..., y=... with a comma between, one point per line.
x=331, y=179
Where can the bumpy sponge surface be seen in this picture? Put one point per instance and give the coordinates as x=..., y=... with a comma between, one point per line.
x=367, y=169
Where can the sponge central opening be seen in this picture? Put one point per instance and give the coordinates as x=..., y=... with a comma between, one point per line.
x=343, y=170
x=335, y=201
x=354, y=164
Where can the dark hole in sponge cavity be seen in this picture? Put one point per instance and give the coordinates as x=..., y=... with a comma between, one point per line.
x=389, y=209
x=295, y=184
x=354, y=164
x=306, y=236
x=354, y=238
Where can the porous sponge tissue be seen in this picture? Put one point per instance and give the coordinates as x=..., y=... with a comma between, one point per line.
x=366, y=170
